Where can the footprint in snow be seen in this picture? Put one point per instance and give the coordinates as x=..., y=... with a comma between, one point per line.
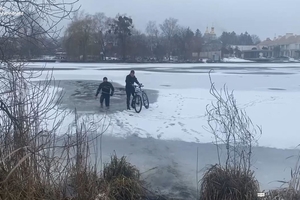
x=181, y=124
x=186, y=131
x=192, y=130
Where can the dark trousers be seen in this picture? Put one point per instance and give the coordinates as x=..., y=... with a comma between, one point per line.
x=105, y=97
x=129, y=92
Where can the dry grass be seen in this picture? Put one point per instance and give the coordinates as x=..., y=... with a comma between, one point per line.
x=283, y=194
x=16, y=189
x=121, y=180
x=228, y=184
x=118, y=168
x=291, y=191
x=125, y=188
x=85, y=183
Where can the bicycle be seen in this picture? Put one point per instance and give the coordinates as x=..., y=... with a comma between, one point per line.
x=139, y=99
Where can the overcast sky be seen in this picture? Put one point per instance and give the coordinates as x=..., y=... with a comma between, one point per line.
x=262, y=17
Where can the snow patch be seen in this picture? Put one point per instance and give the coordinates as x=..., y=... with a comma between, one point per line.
x=234, y=59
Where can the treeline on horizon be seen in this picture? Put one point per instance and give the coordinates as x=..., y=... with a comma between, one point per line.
x=97, y=36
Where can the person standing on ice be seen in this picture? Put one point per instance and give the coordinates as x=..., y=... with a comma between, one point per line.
x=130, y=80
x=107, y=91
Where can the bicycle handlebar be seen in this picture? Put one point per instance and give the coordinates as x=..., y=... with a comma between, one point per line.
x=140, y=86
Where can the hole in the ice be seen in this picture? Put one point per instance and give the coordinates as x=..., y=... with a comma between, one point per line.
x=165, y=85
x=276, y=89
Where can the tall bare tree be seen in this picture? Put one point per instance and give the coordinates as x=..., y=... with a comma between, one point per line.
x=77, y=37
x=85, y=36
x=255, y=39
x=153, y=35
x=21, y=20
x=138, y=45
x=169, y=28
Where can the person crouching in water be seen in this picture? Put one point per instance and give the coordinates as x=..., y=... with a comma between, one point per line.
x=107, y=91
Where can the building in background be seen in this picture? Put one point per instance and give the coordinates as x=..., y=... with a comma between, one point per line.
x=211, y=48
x=283, y=46
x=210, y=35
x=251, y=52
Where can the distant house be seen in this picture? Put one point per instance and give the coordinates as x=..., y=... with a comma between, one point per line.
x=283, y=46
x=252, y=52
x=60, y=55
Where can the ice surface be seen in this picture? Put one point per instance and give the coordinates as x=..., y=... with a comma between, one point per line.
x=270, y=100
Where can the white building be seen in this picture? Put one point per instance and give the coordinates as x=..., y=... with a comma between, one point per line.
x=288, y=45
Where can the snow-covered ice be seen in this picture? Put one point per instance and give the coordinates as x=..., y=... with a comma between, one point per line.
x=179, y=113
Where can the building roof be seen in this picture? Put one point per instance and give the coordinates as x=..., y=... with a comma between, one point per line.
x=244, y=47
x=289, y=38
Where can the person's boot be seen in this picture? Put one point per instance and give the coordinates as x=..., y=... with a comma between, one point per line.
x=101, y=106
x=133, y=104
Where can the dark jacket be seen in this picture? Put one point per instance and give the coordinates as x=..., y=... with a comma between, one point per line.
x=130, y=81
x=105, y=87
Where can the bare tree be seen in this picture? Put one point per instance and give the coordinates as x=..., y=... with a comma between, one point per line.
x=137, y=44
x=79, y=36
x=101, y=27
x=18, y=16
x=169, y=28
x=85, y=36
x=153, y=34
x=152, y=29
x=255, y=39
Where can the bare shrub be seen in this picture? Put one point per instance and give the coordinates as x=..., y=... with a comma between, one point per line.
x=38, y=156
x=83, y=175
x=232, y=128
x=26, y=136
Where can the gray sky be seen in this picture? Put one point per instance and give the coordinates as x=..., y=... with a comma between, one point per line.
x=262, y=17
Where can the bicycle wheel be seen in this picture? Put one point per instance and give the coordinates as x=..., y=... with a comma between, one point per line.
x=145, y=100
x=137, y=99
